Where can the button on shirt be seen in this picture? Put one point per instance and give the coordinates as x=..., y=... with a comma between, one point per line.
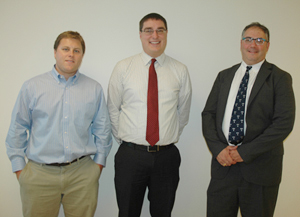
x=57, y=121
x=127, y=98
x=233, y=92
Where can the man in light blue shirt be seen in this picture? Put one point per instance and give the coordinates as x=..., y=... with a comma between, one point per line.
x=59, y=120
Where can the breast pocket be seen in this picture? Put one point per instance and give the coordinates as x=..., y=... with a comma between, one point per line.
x=84, y=112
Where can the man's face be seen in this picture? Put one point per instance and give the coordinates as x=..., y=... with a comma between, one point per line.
x=253, y=53
x=154, y=44
x=68, y=57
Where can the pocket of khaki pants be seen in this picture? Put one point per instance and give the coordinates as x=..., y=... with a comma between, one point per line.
x=22, y=173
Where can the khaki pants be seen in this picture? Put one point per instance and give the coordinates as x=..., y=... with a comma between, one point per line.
x=44, y=188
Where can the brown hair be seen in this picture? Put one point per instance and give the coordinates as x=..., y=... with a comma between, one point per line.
x=154, y=16
x=69, y=34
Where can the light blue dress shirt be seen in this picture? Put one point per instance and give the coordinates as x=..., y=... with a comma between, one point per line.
x=56, y=121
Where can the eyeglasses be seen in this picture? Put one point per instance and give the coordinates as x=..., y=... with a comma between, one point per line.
x=151, y=31
x=258, y=41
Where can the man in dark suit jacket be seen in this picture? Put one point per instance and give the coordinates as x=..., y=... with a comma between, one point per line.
x=247, y=174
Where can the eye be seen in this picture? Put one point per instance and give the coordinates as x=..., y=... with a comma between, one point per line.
x=148, y=31
x=248, y=39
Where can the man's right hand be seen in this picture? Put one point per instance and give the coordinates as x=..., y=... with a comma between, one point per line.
x=18, y=174
x=224, y=157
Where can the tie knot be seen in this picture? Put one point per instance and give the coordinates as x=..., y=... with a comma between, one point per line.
x=248, y=68
x=153, y=61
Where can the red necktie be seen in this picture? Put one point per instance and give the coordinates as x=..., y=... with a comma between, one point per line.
x=152, y=132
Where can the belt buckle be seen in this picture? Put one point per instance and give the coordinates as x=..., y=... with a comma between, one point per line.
x=153, y=150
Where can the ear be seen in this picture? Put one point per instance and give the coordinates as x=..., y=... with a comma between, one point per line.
x=268, y=45
x=241, y=45
x=54, y=53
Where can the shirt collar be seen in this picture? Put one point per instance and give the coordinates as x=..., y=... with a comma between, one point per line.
x=255, y=67
x=58, y=76
x=147, y=59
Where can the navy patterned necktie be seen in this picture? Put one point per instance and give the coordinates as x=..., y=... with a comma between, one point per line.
x=236, y=129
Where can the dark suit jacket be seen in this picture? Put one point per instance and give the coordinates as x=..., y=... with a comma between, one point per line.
x=270, y=118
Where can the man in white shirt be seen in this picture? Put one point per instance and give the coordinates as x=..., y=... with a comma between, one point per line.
x=246, y=137
x=144, y=159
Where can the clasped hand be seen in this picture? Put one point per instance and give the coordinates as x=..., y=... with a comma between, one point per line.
x=229, y=156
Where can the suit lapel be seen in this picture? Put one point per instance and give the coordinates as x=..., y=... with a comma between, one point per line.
x=224, y=92
x=262, y=75
x=226, y=88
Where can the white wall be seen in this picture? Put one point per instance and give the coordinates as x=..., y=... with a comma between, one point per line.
x=202, y=34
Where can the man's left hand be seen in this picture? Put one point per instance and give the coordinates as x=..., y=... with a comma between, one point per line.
x=234, y=154
x=100, y=166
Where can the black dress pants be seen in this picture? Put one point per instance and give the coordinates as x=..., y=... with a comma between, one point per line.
x=225, y=197
x=136, y=170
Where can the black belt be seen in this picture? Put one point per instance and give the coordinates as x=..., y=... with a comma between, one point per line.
x=65, y=164
x=154, y=148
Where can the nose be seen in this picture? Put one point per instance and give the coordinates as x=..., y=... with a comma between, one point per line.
x=71, y=53
x=155, y=35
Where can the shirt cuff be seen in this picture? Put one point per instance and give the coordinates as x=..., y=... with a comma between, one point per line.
x=100, y=159
x=18, y=164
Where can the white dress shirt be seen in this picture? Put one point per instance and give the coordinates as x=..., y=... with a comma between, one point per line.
x=127, y=98
x=233, y=92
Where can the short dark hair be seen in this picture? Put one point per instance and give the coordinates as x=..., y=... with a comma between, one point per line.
x=154, y=16
x=70, y=34
x=258, y=25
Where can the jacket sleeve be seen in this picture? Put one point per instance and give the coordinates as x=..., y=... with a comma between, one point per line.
x=209, y=119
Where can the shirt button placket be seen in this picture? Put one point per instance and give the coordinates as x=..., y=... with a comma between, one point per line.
x=65, y=121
